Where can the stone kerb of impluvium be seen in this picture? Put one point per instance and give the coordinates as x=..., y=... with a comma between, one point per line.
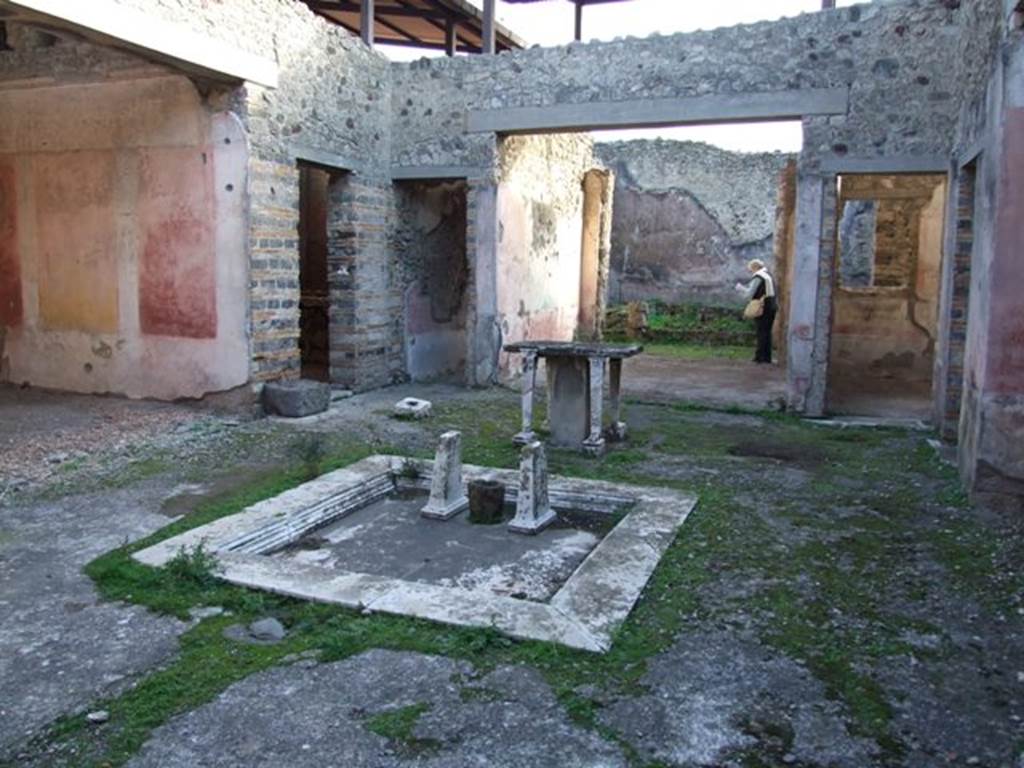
x=533, y=507
x=447, y=493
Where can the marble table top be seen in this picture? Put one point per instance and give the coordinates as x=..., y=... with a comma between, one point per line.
x=576, y=349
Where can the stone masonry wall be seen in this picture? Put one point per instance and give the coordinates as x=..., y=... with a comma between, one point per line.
x=894, y=57
x=687, y=218
x=991, y=133
x=333, y=97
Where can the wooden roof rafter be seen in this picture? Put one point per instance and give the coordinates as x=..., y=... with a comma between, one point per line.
x=451, y=25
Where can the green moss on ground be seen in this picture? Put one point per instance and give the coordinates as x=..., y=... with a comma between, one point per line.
x=397, y=726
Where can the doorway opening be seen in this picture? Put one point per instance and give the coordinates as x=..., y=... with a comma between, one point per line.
x=886, y=294
x=687, y=216
x=314, y=294
x=429, y=238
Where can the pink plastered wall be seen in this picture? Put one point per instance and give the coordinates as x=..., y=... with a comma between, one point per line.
x=123, y=217
x=540, y=226
x=1005, y=360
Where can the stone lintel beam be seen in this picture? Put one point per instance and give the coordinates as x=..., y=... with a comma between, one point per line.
x=326, y=159
x=432, y=172
x=649, y=113
x=891, y=164
x=110, y=23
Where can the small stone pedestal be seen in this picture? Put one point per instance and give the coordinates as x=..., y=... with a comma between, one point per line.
x=447, y=498
x=533, y=508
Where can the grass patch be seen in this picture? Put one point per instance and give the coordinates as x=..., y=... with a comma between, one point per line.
x=692, y=324
x=684, y=351
x=397, y=726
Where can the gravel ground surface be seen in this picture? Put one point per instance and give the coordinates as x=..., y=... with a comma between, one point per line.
x=43, y=432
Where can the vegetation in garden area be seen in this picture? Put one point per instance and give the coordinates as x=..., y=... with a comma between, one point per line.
x=824, y=559
x=693, y=325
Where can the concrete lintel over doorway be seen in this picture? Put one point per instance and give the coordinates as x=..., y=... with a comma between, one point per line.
x=891, y=165
x=436, y=172
x=329, y=160
x=108, y=22
x=649, y=113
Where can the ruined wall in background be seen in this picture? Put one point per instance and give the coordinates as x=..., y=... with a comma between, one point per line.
x=687, y=219
x=122, y=220
x=428, y=238
x=540, y=230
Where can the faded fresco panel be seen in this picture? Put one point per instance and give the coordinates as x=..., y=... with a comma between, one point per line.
x=177, y=269
x=10, y=266
x=75, y=230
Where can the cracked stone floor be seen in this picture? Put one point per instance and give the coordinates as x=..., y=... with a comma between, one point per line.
x=833, y=601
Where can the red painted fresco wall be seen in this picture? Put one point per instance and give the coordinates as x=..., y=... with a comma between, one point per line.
x=1006, y=329
x=177, y=281
x=10, y=265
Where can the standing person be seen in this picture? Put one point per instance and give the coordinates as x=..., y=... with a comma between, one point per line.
x=761, y=288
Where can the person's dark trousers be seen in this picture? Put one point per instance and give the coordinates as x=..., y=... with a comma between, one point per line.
x=764, y=334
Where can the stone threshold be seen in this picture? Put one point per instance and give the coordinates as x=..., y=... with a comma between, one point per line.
x=584, y=613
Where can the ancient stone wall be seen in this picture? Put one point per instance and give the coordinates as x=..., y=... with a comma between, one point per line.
x=687, y=218
x=332, y=104
x=365, y=314
x=894, y=58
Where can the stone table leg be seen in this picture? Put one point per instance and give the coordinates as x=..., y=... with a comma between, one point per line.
x=526, y=435
x=594, y=444
x=617, y=427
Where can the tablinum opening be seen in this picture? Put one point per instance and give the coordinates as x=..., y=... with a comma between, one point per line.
x=886, y=294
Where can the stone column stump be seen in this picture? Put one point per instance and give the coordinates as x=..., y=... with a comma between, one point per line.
x=533, y=508
x=447, y=497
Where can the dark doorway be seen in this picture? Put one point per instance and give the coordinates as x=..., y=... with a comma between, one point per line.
x=429, y=239
x=314, y=335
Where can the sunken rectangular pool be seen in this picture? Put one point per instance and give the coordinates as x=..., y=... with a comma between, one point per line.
x=564, y=560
